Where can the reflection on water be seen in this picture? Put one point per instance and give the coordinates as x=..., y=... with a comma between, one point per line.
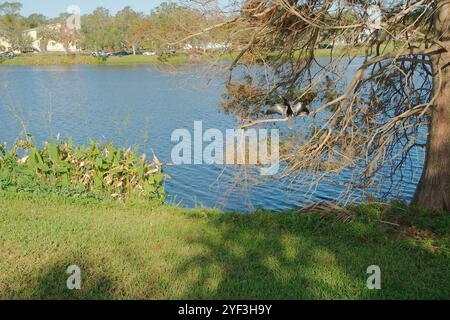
x=142, y=106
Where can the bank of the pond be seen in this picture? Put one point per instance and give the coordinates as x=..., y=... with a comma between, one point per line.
x=42, y=59
x=81, y=59
x=139, y=251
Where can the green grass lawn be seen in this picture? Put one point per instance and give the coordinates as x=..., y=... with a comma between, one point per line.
x=63, y=59
x=74, y=59
x=44, y=59
x=138, y=251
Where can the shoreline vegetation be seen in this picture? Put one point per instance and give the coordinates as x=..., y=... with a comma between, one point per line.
x=98, y=171
x=43, y=59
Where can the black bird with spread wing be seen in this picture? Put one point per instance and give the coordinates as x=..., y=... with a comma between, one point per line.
x=285, y=109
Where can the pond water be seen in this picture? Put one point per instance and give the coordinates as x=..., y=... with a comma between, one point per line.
x=141, y=105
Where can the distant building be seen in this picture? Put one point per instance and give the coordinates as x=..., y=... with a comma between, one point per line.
x=4, y=44
x=52, y=45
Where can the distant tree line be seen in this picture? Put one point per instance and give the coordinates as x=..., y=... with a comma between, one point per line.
x=100, y=30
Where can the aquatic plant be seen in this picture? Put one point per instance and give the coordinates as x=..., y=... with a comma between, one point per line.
x=98, y=170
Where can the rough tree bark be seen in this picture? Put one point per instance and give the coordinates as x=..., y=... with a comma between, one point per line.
x=433, y=189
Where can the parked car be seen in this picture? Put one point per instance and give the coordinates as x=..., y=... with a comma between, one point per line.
x=170, y=52
x=325, y=46
x=149, y=53
x=7, y=54
x=29, y=50
x=101, y=54
x=121, y=54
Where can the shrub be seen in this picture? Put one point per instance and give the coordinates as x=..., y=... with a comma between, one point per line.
x=98, y=170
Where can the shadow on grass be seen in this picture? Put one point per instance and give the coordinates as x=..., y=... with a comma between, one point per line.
x=270, y=257
x=266, y=256
x=50, y=284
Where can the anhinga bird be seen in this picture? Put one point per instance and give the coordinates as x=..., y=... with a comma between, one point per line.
x=286, y=110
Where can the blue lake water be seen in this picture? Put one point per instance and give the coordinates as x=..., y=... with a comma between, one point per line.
x=129, y=104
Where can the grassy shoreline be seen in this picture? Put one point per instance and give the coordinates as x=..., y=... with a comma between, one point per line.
x=138, y=251
x=44, y=59
x=83, y=59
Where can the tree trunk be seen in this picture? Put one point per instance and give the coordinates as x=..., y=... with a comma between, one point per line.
x=433, y=189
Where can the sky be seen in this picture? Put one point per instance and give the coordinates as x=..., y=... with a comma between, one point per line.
x=52, y=8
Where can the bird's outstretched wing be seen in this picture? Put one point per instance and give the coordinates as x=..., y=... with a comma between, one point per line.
x=300, y=108
x=277, y=109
